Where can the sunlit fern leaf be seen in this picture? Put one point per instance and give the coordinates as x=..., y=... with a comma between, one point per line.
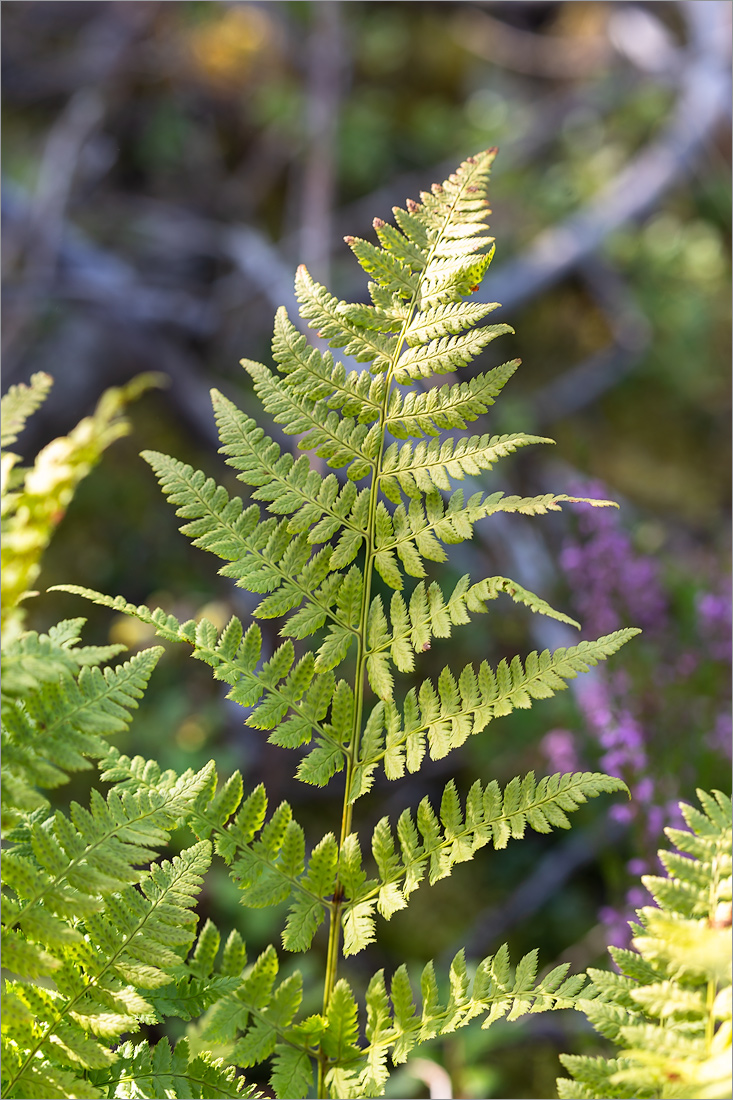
x=127, y=945
x=431, y=411
x=153, y=1071
x=327, y=314
x=20, y=402
x=423, y=468
x=668, y=1008
x=315, y=376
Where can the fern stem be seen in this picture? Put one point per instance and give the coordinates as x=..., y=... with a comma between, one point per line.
x=360, y=676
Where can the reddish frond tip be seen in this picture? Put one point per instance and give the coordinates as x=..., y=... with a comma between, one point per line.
x=437, y=189
x=412, y=206
x=473, y=289
x=470, y=160
x=302, y=269
x=378, y=223
x=349, y=239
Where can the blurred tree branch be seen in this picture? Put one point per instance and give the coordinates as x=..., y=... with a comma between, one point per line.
x=703, y=104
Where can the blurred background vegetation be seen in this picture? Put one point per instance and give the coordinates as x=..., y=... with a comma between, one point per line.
x=167, y=165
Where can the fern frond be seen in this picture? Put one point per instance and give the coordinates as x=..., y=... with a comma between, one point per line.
x=341, y=440
x=127, y=946
x=311, y=547
x=259, y=1016
x=41, y=495
x=312, y=375
x=290, y=487
x=446, y=354
x=61, y=868
x=263, y=557
x=417, y=530
x=394, y=1025
x=669, y=1009
x=327, y=314
x=411, y=628
x=452, y=320
x=57, y=708
x=306, y=688
x=20, y=402
x=266, y=857
x=63, y=724
x=144, y=1071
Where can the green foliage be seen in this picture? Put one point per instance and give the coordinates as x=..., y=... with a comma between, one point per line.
x=35, y=500
x=668, y=1008
x=100, y=930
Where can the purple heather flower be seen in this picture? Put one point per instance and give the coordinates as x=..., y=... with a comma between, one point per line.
x=644, y=789
x=637, y=867
x=618, y=933
x=558, y=747
x=622, y=812
x=714, y=618
x=719, y=739
x=610, y=581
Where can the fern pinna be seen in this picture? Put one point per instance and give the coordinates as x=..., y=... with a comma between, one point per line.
x=312, y=546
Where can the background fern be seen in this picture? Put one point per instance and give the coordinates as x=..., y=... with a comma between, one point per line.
x=667, y=1006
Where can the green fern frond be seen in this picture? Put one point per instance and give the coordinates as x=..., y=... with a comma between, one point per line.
x=124, y=947
x=58, y=705
x=427, y=467
x=394, y=1025
x=63, y=724
x=341, y=440
x=20, y=402
x=418, y=530
x=669, y=1009
x=259, y=1018
x=61, y=868
x=144, y=1071
x=266, y=857
x=312, y=547
x=306, y=688
x=34, y=500
x=312, y=375
x=327, y=314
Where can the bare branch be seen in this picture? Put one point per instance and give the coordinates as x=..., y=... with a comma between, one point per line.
x=703, y=104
